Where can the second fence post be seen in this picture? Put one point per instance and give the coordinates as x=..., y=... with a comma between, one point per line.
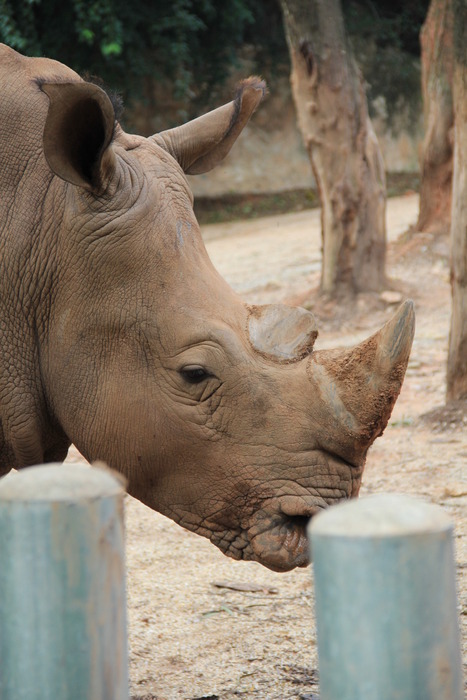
x=386, y=601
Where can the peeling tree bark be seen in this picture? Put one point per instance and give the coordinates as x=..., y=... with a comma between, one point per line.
x=457, y=354
x=333, y=118
x=436, y=39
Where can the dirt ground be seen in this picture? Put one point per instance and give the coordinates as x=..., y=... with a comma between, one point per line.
x=203, y=626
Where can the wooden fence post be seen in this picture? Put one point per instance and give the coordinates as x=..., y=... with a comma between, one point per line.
x=62, y=585
x=386, y=601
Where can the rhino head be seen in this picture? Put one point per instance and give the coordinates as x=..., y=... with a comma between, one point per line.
x=221, y=415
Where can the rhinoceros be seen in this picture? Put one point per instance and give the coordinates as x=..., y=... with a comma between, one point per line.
x=118, y=334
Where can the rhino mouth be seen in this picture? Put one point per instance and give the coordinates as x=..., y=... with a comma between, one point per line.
x=279, y=541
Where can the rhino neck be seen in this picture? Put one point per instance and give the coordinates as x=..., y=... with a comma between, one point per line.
x=28, y=433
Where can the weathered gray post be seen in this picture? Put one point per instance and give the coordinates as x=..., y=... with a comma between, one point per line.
x=386, y=601
x=62, y=585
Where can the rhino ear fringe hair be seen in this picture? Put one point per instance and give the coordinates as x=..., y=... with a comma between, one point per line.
x=114, y=97
x=253, y=81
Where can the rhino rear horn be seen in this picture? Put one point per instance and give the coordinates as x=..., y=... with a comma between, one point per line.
x=202, y=143
x=282, y=333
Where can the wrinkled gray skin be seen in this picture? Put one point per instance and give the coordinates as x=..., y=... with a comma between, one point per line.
x=117, y=334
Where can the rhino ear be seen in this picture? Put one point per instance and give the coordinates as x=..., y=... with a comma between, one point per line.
x=202, y=143
x=78, y=132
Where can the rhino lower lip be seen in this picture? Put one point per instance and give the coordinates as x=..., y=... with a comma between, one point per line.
x=282, y=545
x=295, y=549
x=296, y=539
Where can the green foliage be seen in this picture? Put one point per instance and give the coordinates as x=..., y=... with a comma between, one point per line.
x=385, y=39
x=391, y=24
x=459, y=10
x=192, y=45
x=190, y=42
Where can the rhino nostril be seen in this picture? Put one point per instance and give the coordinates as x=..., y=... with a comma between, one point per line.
x=299, y=521
x=296, y=511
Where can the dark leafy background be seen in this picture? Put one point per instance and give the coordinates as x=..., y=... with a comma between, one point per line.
x=193, y=45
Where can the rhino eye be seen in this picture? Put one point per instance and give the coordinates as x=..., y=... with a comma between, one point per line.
x=194, y=374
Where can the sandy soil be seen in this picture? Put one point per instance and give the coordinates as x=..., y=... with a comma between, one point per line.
x=190, y=638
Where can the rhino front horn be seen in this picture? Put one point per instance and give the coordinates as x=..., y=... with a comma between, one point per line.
x=384, y=357
x=394, y=340
x=359, y=386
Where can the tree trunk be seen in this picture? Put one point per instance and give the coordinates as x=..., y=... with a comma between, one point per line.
x=436, y=40
x=457, y=355
x=333, y=117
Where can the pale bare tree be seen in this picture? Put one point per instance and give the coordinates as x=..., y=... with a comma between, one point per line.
x=332, y=112
x=436, y=39
x=457, y=356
